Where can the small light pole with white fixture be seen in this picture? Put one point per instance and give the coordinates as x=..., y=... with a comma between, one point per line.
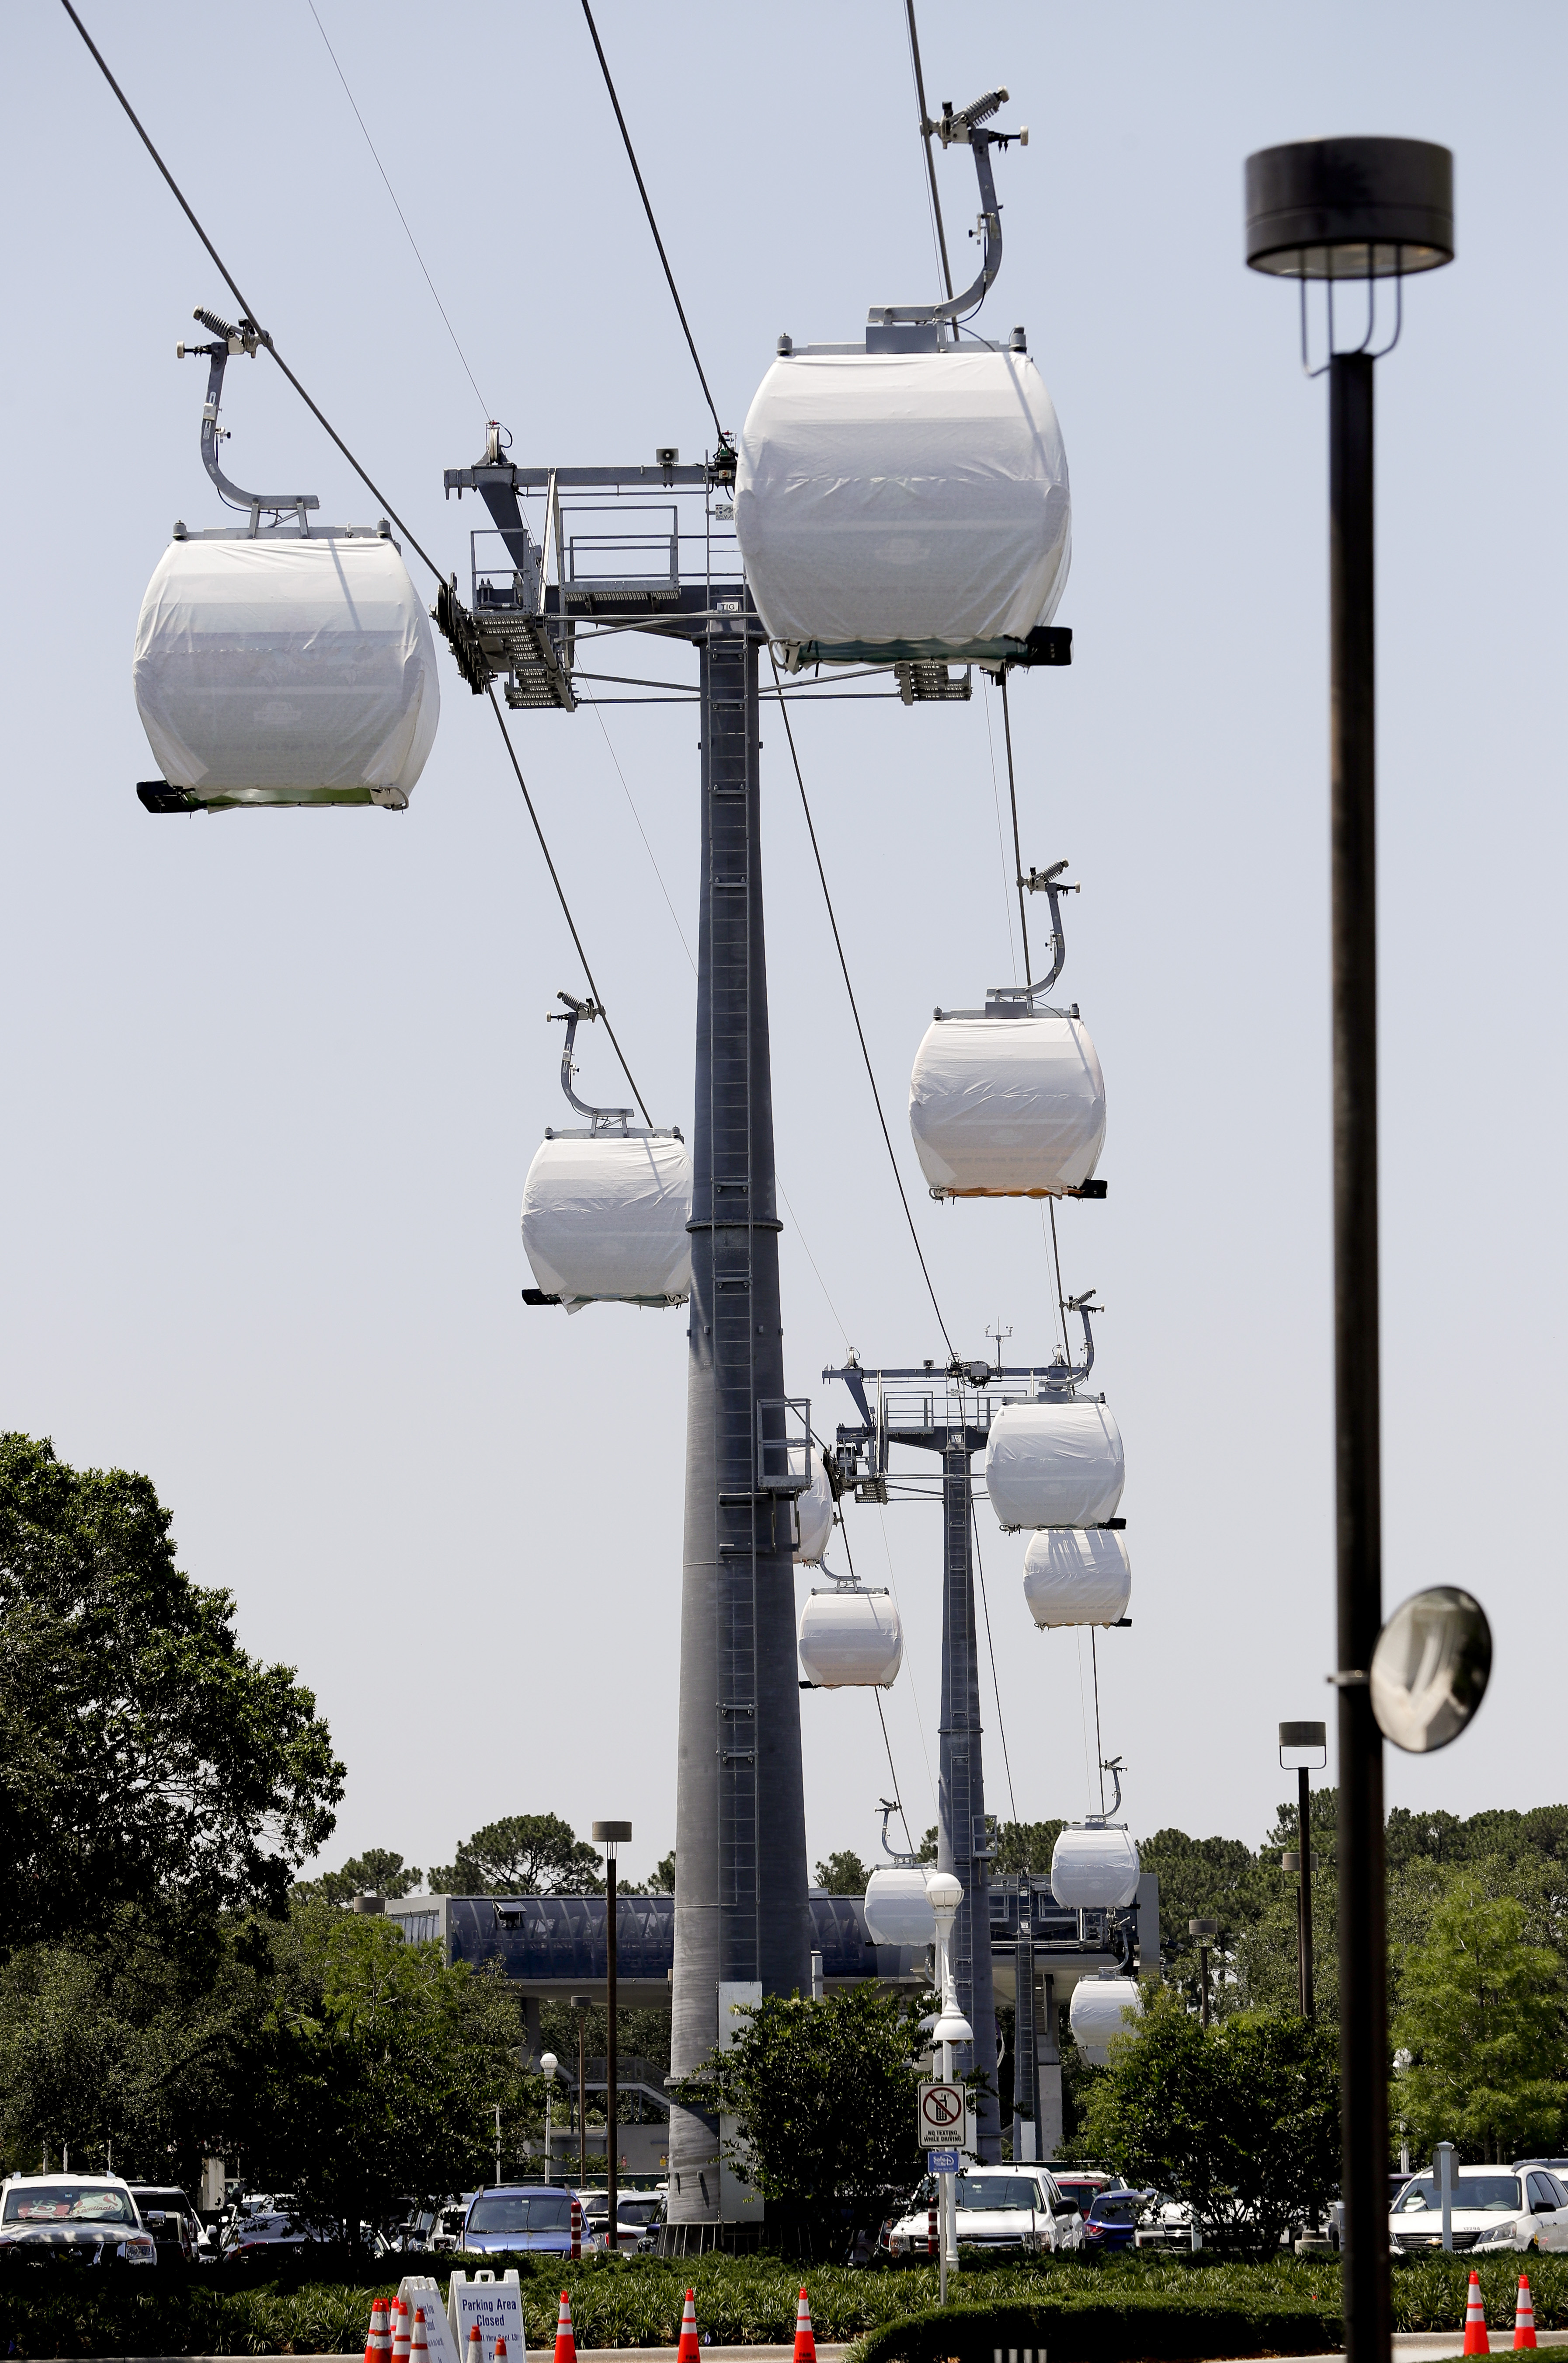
x=945, y=1894
x=1303, y=1750
x=548, y=2067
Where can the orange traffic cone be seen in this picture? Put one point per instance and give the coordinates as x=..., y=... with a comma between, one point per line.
x=399, y=2331
x=378, y=2339
x=689, y=2351
x=476, y=2344
x=501, y=2350
x=1524, y=2314
x=1475, y=2341
x=805, y=2341
x=418, y=2344
x=566, y=2343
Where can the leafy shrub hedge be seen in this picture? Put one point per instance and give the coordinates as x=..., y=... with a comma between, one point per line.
x=1155, y=2306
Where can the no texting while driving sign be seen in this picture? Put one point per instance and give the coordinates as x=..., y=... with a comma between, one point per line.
x=941, y=2115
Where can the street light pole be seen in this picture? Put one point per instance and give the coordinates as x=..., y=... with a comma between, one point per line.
x=582, y=2004
x=611, y=1836
x=1304, y=1747
x=1205, y=1931
x=1355, y=211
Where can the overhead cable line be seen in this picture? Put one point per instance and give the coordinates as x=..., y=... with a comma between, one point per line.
x=235, y=289
x=1002, y=851
x=565, y=907
x=877, y=1694
x=233, y=286
x=996, y=1686
x=860, y=1030
x=925, y=137
x=647, y=208
x=1018, y=858
x=401, y=215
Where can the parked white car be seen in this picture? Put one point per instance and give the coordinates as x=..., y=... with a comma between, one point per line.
x=1493, y=2209
x=93, y=2215
x=999, y=2207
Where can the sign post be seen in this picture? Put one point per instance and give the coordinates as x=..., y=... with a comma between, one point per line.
x=1442, y=2168
x=943, y=2119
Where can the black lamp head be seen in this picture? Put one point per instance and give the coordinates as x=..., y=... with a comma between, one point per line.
x=1350, y=208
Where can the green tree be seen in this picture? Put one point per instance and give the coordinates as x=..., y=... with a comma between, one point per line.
x=144, y=1757
x=377, y=1871
x=1241, y=2118
x=1204, y=1878
x=660, y=1879
x=1024, y=1845
x=843, y=1873
x=823, y=2096
x=376, y=2071
x=525, y=1854
x=1483, y=2016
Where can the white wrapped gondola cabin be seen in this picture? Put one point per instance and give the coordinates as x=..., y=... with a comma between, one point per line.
x=850, y=1638
x=1007, y=1106
x=604, y=1218
x=1094, y=1867
x=1074, y=1575
x=288, y=672
x=904, y=503
x=814, y=1511
x=1054, y=1462
x=1097, y=2014
x=897, y=1909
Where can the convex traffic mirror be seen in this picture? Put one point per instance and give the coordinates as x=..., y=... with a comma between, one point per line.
x=1430, y=1669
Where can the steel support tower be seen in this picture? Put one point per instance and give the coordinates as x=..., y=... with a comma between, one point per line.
x=950, y=1412
x=740, y=1839
x=639, y=547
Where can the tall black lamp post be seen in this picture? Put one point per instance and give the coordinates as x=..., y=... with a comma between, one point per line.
x=611, y=1836
x=1207, y=1933
x=1303, y=1750
x=1351, y=212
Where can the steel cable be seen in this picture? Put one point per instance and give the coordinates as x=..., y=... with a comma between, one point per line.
x=647, y=208
x=233, y=286
x=855, y=1012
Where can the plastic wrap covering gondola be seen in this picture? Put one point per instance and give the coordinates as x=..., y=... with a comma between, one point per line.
x=850, y=1637
x=915, y=500
x=897, y=1909
x=1093, y=1867
x=1054, y=1462
x=1096, y=2015
x=604, y=1219
x=1076, y=1576
x=813, y=1509
x=286, y=672
x=1007, y=1107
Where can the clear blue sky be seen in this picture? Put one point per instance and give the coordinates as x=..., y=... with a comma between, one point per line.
x=273, y=1081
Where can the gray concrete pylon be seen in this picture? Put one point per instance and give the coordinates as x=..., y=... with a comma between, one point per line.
x=740, y=1842
x=961, y=1794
